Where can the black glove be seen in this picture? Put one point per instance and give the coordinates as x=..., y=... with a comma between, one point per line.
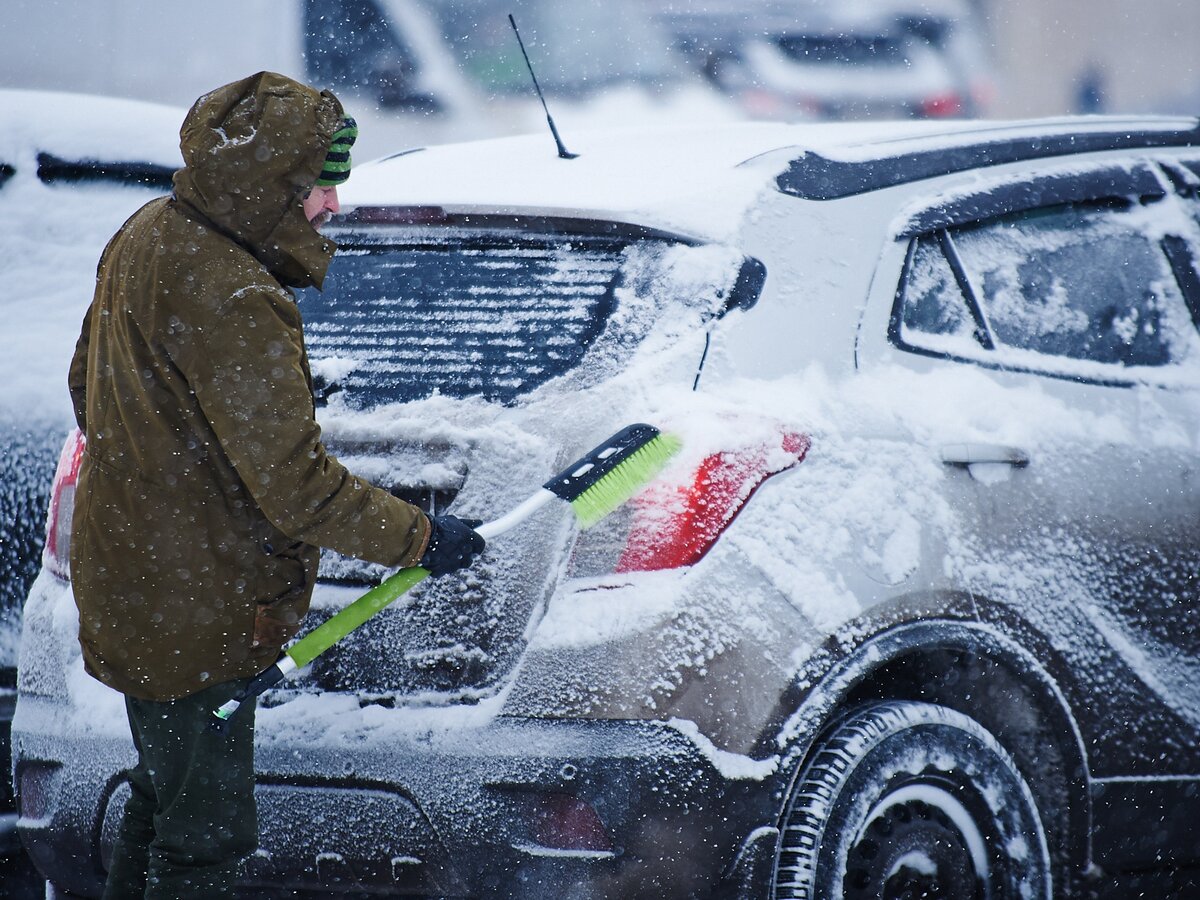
x=453, y=543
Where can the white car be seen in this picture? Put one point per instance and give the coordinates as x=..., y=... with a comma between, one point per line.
x=912, y=613
x=72, y=169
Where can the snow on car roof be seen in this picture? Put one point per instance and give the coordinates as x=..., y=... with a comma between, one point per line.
x=698, y=180
x=84, y=126
x=54, y=230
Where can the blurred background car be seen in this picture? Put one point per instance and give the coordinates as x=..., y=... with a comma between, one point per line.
x=72, y=169
x=842, y=59
x=412, y=72
x=600, y=63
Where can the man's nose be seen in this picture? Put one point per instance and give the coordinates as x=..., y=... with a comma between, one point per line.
x=331, y=202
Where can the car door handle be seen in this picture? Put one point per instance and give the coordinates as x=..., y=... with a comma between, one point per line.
x=970, y=454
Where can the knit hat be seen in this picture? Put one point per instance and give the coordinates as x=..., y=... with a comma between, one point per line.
x=337, y=160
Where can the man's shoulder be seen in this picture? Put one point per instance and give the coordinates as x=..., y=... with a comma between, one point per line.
x=211, y=269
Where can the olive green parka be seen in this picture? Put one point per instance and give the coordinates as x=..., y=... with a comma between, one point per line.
x=205, y=489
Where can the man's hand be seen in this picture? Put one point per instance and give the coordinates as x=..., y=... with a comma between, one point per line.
x=453, y=543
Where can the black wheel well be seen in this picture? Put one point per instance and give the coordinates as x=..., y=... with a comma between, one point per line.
x=1024, y=714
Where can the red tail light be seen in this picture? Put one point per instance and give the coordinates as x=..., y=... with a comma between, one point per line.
x=56, y=556
x=563, y=822
x=942, y=106
x=677, y=527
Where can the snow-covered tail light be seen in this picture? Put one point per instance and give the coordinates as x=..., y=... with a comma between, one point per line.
x=565, y=823
x=56, y=556
x=677, y=529
x=675, y=522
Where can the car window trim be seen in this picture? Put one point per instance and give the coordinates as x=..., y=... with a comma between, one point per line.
x=365, y=217
x=817, y=177
x=981, y=332
x=1183, y=264
x=1110, y=182
x=983, y=329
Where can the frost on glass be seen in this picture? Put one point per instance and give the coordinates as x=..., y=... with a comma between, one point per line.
x=498, y=316
x=1081, y=282
x=934, y=306
x=492, y=317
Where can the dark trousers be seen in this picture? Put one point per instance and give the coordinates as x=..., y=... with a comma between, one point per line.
x=190, y=818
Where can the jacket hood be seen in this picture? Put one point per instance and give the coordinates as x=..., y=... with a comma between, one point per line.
x=250, y=150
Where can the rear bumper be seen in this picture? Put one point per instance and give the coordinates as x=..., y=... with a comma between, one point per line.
x=453, y=812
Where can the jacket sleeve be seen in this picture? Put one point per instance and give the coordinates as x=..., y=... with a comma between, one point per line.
x=245, y=366
x=77, y=377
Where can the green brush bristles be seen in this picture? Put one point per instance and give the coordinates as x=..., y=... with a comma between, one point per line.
x=626, y=479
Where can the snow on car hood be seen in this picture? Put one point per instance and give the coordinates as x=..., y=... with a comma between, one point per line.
x=52, y=234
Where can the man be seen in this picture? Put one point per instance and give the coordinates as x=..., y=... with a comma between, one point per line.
x=205, y=489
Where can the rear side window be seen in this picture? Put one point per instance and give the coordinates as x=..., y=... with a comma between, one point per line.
x=1077, y=282
x=935, y=309
x=1088, y=282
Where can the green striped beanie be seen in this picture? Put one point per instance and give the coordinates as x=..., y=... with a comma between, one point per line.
x=337, y=160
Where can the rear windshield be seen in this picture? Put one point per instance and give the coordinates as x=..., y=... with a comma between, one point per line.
x=493, y=316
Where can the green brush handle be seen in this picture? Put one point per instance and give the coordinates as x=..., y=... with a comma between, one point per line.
x=594, y=485
x=321, y=639
x=337, y=627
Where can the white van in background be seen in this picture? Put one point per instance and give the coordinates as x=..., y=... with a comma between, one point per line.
x=602, y=62
x=173, y=53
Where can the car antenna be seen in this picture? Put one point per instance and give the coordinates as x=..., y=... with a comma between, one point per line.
x=563, y=152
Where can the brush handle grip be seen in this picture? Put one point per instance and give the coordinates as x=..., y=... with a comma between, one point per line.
x=324, y=636
x=377, y=598
x=321, y=638
x=349, y=618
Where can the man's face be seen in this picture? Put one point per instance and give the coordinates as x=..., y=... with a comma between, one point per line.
x=320, y=204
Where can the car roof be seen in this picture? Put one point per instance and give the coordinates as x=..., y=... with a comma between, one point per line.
x=700, y=180
x=83, y=127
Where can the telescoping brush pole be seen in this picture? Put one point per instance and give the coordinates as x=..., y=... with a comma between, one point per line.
x=594, y=485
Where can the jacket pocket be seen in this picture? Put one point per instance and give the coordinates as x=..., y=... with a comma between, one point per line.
x=285, y=587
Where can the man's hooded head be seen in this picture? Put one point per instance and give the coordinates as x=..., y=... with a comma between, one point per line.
x=251, y=150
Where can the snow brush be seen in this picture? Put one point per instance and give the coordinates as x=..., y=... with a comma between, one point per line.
x=594, y=485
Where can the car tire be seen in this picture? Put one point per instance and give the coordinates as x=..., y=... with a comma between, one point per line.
x=906, y=799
